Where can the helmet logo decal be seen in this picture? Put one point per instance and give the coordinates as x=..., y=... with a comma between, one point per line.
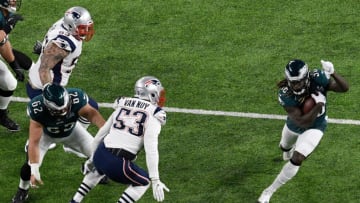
x=75, y=15
x=149, y=82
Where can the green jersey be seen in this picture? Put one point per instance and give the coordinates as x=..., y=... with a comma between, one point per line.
x=318, y=83
x=58, y=126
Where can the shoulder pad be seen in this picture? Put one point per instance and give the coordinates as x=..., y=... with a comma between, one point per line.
x=78, y=96
x=160, y=114
x=319, y=77
x=65, y=43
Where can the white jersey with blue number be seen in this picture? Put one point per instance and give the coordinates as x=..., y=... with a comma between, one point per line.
x=135, y=124
x=60, y=74
x=133, y=121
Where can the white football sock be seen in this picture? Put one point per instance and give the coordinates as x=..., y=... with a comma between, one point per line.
x=133, y=193
x=89, y=182
x=287, y=173
x=24, y=184
x=4, y=102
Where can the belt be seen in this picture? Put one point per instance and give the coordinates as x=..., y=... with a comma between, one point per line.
x=122, y=153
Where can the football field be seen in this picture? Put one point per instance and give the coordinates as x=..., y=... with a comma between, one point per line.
x=219, y=62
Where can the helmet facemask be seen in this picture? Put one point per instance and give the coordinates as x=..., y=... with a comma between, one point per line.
x=78, y=22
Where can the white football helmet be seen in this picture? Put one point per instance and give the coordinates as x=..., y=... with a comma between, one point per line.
x=149, y=88
x=78, y=21
x=11, y=5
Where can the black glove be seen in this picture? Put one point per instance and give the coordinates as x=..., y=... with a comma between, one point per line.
x=37, y=47
x=11, y=22
x=19, y=72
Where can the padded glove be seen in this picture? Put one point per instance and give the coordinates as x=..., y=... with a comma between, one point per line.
x=11, y=22
x=319, y=98
x=328, y=68
x=158, y=190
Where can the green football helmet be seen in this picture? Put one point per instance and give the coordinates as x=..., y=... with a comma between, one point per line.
x=10, y=5
x=297, y=76
x=56, y=99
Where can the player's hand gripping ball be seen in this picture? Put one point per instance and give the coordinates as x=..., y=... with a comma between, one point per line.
x=308, y=104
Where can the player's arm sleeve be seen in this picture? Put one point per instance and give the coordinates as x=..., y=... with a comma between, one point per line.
x=103, y=131
x=151, y=148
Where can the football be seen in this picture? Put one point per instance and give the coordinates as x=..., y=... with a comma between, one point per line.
x=308, y=104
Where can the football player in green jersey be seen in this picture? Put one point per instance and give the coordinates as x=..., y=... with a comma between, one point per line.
x=18, y=61
x=302, y=132
x=53, y=119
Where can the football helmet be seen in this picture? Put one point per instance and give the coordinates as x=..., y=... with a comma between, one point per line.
x=11, y=5
x=78, y=21
x=297, y=76
x=149, y=88
x=56, y=99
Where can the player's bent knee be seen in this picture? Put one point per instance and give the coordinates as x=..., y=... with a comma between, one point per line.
x=297, y=158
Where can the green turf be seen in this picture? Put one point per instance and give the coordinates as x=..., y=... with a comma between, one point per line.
x=212, y=55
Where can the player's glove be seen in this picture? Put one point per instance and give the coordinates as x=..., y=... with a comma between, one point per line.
x=328, y=68
x=37, y=47
x=319, y=98
x=35, y=173
x=11, y=22
x=158, y=190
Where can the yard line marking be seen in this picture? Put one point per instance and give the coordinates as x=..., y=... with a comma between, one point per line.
x=220, y=113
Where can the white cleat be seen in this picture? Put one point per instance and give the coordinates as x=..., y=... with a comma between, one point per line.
x=287, y=155
x=69, y=150
x=265, y=196
x=52, y=146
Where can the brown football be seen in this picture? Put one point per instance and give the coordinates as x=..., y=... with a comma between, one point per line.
x=308, y=104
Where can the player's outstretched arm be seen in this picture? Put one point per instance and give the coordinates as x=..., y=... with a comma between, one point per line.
x=92, y=115
x=35, y=132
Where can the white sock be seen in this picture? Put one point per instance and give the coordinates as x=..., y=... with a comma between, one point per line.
x=133, y=194
x=24, y=184
x=4, y=102
x=89, y=182
x=287, y=173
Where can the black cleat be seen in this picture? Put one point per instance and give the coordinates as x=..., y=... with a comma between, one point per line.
x=7, y=122
x=20, y=196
